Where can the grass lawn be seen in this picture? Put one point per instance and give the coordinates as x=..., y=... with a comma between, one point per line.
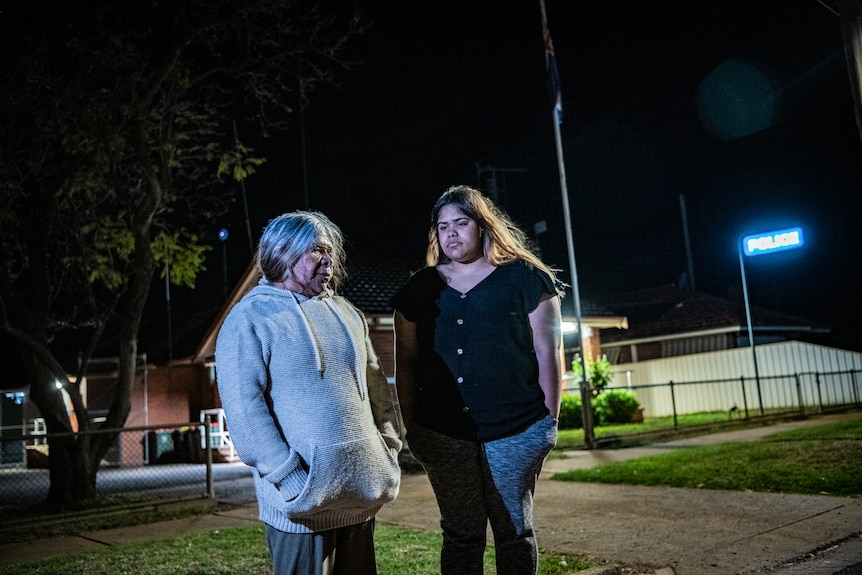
x=654, y=429
x=825, y=459
x=242, y=551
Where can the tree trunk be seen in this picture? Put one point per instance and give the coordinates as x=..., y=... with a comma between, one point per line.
x=73, y=483
x=73, y=480
x=131, y=309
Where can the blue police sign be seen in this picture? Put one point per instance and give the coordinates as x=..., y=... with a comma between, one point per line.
x=769, y=242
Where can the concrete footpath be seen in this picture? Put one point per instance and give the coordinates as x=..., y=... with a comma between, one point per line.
x=630, y=529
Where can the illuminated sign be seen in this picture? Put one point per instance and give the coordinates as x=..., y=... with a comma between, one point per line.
x=776, y=241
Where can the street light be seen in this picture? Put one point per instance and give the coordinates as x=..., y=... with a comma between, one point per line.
x=223, y=236
x=755, y=245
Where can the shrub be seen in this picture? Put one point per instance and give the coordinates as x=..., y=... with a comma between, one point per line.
x=571, y=416
x=600, y=373
x=615, y=406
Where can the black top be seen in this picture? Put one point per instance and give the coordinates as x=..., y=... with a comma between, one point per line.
x=478, y=373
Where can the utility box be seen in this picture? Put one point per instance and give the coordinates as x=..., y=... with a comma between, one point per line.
x=158, y=443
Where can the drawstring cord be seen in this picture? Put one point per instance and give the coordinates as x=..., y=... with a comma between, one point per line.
x=318, y=356
x=361, y=385
x=360, y=374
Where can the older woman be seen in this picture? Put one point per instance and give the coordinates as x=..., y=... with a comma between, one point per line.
x=307, y=403
x=478, y=371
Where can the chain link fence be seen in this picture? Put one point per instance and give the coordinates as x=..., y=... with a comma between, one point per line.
x=143, y=465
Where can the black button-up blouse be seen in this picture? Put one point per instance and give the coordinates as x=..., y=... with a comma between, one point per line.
x=478, y=373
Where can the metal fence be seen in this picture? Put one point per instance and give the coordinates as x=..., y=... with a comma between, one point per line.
x=151, y=464
x=799, y=393
x=144, y=464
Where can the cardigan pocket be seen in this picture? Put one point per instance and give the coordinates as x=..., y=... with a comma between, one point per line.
x=357, y=474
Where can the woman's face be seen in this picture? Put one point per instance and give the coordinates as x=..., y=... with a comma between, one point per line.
x=311, y=274
x=458, y=235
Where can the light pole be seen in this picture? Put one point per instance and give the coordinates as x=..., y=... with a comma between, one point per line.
x=758, y=244
x=223, y=236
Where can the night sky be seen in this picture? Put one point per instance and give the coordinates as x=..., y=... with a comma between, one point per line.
x=741, y=108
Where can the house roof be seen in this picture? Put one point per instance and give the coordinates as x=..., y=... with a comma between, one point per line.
x=600, y=315
x=206, y=347
x=666, y=310
x=371, y=283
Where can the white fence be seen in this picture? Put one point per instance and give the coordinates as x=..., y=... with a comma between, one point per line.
x=792, y=375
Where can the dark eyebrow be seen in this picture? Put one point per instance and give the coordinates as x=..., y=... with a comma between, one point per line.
x=455, y=220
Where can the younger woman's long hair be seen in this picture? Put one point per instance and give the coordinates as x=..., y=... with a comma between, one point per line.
x=503, y=241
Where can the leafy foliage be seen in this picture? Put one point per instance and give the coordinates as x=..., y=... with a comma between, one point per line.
x=599, y=372
x=615, y=406
x=181, y=255
x=239, y=163
x=571, y=414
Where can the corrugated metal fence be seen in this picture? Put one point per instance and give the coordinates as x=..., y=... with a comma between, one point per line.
x=791, y=376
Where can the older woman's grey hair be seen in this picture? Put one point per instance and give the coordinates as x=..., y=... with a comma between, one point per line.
x=289, y=236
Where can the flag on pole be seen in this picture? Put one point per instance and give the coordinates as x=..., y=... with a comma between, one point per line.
x=553, y=75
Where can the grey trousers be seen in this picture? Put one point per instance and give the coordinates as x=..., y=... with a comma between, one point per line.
x=343, y=551
x=477, y=483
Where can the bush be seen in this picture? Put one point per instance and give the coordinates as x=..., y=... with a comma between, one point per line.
x=600, y=373
x=571, y=415
x=615, y=406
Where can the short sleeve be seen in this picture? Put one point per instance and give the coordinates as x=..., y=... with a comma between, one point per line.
x=536, y=284
x=419, y=295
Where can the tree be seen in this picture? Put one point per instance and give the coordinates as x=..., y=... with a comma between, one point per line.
x=115, y=141
x=600, y=372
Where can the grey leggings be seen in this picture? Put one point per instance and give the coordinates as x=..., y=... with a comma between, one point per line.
x=476, y=483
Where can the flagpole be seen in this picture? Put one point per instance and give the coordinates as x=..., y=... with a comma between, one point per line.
x=583, y=384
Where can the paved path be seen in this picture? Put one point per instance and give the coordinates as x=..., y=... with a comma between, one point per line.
x=694, y=532
x=648, y=529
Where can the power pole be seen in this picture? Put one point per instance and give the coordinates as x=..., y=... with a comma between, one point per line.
x=851, y=29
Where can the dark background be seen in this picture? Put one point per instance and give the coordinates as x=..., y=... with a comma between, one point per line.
x=742, y=108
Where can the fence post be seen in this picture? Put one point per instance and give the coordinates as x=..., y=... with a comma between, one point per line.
x=855, y=387
x=209, y=455
x=799, y=394
x=744, y=395
x=673, y=404
x=819, y=390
